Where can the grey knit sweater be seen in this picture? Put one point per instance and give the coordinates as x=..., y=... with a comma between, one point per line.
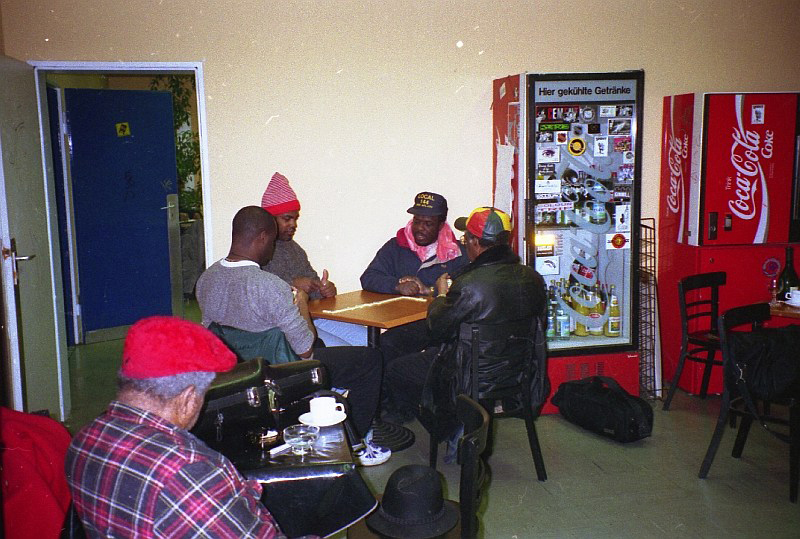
x=243, y=296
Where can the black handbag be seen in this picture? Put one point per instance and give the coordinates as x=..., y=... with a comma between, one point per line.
x=254, y=396
x=599, y=404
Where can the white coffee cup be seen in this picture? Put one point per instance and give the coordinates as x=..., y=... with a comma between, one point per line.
x=323, y=408
x=793, y=296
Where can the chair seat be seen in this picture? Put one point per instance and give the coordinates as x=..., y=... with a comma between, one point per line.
x=703, y=337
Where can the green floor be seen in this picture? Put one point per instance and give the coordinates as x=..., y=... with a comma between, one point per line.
x=595, y=487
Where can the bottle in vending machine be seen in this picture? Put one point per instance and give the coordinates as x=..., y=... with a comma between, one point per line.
x=562, y=319
x=596, y=312
x=613, y=327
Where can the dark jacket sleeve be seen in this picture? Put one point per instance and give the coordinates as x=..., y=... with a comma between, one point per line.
x=446, y=313
x=381, y=274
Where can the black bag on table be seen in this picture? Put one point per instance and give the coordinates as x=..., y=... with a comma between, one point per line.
x=599, y=404
x=255, y=395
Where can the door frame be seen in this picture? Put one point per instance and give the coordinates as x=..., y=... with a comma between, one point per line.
x=41, y=69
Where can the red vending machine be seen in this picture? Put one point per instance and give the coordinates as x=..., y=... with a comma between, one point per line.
x=567, y=167
x=729, y=202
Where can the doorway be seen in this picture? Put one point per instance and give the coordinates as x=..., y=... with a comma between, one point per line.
x=192, y=199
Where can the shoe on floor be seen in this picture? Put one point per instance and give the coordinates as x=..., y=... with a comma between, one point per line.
x=372, y=455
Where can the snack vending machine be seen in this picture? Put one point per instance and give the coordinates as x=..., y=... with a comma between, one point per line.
x=728, y=202
x=567, y=163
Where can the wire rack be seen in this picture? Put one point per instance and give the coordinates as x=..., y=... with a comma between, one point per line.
x=647, y=308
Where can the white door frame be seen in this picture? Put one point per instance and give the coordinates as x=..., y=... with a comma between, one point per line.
x=41, y=69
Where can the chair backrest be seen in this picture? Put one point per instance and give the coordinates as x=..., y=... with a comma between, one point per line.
x=473, y=471
x=699, y=300
x=753, y=315
x=521, y=358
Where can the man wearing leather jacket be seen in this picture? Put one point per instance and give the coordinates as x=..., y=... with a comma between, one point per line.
x=493, y=290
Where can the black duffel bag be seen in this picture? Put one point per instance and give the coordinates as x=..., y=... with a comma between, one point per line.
x=599, y=404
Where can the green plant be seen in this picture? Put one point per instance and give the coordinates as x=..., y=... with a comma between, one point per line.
x=187, y=141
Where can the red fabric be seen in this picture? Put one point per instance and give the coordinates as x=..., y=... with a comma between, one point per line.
x=279, y=197
x=35, y=492
x=446, y=244
x=166, y=345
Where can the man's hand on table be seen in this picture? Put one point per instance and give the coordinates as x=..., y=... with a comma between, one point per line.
x=411, y=286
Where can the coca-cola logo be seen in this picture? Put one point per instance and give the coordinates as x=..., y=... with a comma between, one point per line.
x=677, y=152
x=746, y=153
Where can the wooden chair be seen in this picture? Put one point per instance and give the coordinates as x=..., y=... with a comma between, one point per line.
x=699, y=307
x=735, y=399
x=529, y=366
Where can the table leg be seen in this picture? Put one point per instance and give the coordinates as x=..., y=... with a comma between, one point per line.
x=373, y=337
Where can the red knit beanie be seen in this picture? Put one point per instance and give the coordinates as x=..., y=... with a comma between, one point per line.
x=159, y=346
x=279, y=197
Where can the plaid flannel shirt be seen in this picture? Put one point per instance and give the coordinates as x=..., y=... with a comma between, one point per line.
x=133, y=474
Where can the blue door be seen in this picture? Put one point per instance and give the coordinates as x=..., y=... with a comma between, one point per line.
x=122, y=170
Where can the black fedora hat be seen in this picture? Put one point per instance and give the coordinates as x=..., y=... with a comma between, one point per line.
x=413, y=506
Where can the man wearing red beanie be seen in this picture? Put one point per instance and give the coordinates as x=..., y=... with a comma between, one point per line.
x=136, y=471
x=290, y=263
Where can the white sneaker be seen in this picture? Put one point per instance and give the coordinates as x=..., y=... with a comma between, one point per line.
x=372, y=455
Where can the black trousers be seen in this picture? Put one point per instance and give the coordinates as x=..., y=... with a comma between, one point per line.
x=360, y=370
x=404, y=379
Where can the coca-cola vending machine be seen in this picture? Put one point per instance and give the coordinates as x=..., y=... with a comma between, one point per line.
x=567, y=166
x=729, y=202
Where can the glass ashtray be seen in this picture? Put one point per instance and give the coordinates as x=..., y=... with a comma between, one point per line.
x=300, y=438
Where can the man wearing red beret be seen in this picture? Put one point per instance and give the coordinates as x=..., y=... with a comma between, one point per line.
x=136, y=471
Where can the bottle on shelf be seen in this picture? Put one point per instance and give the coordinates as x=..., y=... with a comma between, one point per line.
x=613, y=325
x=788, y=277
x=562, y=321
x=596, y=312
x=580, y=329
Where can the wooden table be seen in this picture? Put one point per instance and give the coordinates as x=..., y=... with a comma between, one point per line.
x=376, y=311
x=371, y=309
x=784, y=310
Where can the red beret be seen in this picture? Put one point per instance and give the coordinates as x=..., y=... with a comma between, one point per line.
x=165, y=346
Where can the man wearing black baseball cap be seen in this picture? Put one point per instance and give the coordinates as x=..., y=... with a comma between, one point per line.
x=409, y=264
x=420, y=252
x=494, y=290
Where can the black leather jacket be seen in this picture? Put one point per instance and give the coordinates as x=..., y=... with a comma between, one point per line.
x=504, y=298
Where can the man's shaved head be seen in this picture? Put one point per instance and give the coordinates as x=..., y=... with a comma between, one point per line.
x=250, y=221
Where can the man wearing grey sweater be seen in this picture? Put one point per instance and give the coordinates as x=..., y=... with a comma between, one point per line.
x=236, y=292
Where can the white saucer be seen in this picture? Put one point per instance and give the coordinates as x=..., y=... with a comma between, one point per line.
x=333, y=419
x=792, y=304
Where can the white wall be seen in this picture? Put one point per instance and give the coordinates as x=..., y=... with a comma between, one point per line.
x=363, y=103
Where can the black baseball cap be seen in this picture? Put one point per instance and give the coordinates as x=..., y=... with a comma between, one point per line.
x=427, y=203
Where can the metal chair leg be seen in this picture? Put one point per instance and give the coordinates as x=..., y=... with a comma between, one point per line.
x=433, y=455
x=741, y=436
x=707, y=374
x=717, y=437
x=794, y=450
x=674, y=385
x=533, y=441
